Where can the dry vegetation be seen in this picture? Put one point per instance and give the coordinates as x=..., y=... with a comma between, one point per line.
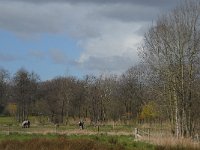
x=57, y=144
x=91, y=144
x=172, y=143
x=16, y=141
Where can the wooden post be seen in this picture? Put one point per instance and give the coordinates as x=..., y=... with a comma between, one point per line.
x=161, y=132
x=56, y=128
x=8, y=129
x=136, y=133
x=98, y=128
x=149, y=134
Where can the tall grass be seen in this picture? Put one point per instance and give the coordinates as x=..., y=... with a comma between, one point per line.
x=172, y=143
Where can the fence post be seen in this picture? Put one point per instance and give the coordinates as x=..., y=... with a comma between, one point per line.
x=8, y=129
x=136, y=132
x=98, y=129
x=149, y=134
x=56, y=128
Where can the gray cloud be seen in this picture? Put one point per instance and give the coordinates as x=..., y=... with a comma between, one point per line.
x=79, y=20
x=30, y=19
x=114, y=64
x=107, y=30
x=128, y=12
x=138, y=2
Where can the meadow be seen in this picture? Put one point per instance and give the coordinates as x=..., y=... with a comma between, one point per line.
x=70, y=137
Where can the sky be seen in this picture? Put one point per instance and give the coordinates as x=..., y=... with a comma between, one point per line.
x=75, y=37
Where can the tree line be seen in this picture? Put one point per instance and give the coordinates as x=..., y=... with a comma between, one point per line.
x=99, y=98
x=163, y=86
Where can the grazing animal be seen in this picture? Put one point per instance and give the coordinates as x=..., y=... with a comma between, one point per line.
x=81, y=125
x=26, y=124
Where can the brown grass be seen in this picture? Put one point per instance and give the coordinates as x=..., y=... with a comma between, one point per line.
x=172, y=143
x=57, y=144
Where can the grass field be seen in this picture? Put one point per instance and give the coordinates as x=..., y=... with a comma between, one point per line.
x=7, y=120
x=47, y=136
x=10, y=125
x=13, y=134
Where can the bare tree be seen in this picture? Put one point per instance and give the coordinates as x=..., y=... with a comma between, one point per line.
x=171, y=50
x=25, y=86
x=4, y=79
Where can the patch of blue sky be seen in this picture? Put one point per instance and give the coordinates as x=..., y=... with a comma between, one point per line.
x=17, y=53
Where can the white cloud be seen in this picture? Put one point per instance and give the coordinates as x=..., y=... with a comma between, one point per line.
x=118, y=43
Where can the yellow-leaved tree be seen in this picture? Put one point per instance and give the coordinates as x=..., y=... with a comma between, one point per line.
x=149, y=111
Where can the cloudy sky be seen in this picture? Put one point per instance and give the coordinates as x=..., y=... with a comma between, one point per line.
x=74, y=37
